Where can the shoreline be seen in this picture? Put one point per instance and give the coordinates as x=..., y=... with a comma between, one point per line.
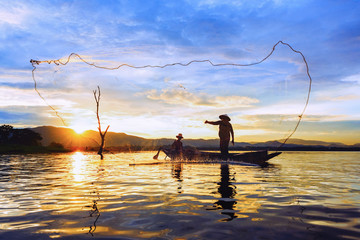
x=43, y=150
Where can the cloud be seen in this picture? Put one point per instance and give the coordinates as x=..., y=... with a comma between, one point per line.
x=293, y=118
x=13, y=14
x=28, y=97
x=341, y=98
x=16, y=97
x=184, y=97
x=352, y=78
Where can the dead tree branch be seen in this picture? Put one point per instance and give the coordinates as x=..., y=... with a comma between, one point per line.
x=97, y=95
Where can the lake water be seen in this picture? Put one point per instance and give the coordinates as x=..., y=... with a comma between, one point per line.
x=301, y=195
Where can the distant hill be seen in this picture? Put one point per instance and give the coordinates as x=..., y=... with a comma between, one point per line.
x=70, y=139
x=313, y=142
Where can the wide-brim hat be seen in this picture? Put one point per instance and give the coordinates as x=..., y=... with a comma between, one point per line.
x=179, y=136
x=225, y=116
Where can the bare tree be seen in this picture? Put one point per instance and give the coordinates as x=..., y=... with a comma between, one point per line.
x=102, y=134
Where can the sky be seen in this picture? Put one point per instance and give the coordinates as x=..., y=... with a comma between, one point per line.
x=264, y=101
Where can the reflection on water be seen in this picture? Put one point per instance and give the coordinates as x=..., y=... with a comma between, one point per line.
x=227, y=191
x=94, y=211
x=176, y=172
x=301, y=195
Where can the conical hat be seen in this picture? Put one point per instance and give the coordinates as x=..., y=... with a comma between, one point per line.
x=225, y=116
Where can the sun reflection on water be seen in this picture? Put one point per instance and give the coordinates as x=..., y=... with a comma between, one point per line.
x=78, y=166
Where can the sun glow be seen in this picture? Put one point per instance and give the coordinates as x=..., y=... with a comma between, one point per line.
x=80, y=126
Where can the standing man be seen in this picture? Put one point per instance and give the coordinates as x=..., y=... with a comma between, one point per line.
x=225, y=129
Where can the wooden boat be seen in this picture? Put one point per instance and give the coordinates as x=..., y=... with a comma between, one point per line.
x=256, y=157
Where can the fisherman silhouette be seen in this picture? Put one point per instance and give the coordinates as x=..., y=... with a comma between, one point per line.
x=177, y=147
x=225, y=130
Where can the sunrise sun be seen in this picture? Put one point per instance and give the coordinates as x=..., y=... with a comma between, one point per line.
x=80, y=127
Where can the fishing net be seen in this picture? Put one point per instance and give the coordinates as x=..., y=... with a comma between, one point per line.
x=150, y=93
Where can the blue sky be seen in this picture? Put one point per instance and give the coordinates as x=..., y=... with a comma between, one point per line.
x=264, y=101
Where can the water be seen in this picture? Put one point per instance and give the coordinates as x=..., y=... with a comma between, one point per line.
x=301, y=195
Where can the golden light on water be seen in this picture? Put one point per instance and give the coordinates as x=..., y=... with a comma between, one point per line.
x=129, y=199
x=78, y=166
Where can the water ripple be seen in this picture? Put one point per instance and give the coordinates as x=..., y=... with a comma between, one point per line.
x=77, y=195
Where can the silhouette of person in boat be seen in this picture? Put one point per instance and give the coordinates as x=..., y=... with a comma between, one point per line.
x=177, y=147
x=225, y=130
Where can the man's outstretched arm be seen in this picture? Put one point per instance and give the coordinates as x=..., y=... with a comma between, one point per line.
x=213, y=123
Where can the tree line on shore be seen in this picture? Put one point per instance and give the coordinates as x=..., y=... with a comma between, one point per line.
x=32, y=141
x=14, y=140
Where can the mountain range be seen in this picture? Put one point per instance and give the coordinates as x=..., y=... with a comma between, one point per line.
x=90, y=139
